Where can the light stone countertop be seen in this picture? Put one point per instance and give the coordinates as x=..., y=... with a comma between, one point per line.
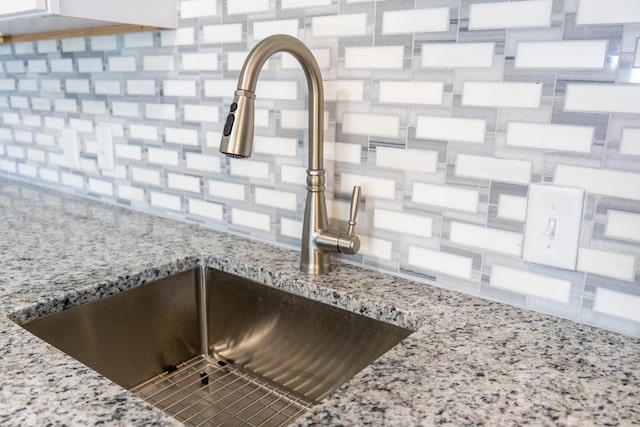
x=470, y=361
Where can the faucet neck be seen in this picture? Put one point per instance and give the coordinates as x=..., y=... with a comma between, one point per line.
x=282, y=43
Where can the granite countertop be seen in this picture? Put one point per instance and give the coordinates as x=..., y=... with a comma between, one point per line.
x=469, y=361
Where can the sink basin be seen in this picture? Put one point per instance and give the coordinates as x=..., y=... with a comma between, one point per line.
x=213, y=348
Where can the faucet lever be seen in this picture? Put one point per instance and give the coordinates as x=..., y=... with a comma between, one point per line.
x=355, y=205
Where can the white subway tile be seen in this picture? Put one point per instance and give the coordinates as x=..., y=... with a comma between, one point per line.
x=578, y=54
x=183, y=182
x=241, y=7
x=143, y=132
x=27, y=170
x=73, y=180
x=36, y=155
x=415, y=21
x=294, y=4
x=517, y=14
x=22, y=136
x=39, y=66
x=145, y=176
x=179, y=88
x=264, y=29
x=181, y=37
x=49, y=175
x=107, y=87
x=158, y=63
x=75, y=44
x=207, y=61
x=607, y=12
x=407, y=159
x=278, y=146
x=220, y=88
x=160, y=111
x=235, y=60
x=45, y=46
x=293, y=175
x=298, y=119
x=80, y=125
x=45, y=140
x=166, y=201
x=201, y=113
x=11, y=118
x=130, y=193
x=32, y=120
x=249, y=168
x=604, y=98
x=618, y=304
x=277, y=89
x=90, y=65
x=15, y=152
x=371, y=186
x=379, y=248
x=226, y=190
x=135, y=40
x=181, y=136
x=492, y=239
x=445, y=196
x=502, y=94
x=425, y=93
x=623, y=225
x=213, y=139
x=457, y=55
x=322, y=56
x=630, y=141
x=343, y=90
x=616, y=265
x=291, y=228
x=101, y=187
x=354, y=24
x=341, y=152
x=385, y=125
x=527, y=283
x=54, y=122
x=8, y=166
x=162, y=157
x=223, y=33
x=491, y=168
x=449, y=128
x=440, y=262
x=550, y=136
x=122, y=63
x=203, y=162
x=197, y=8
x=276, y=199
x=131, y=152
x=381, y=57
x=125, y=109
x=600, y=181
x=10, y=84
x=65, y=105
x=46, y=85
x=403, y=223
x=27, y=85
x=19, y=102
x=141, y=87
x=40, y=104
x=249, y=219
x=512, y=207
x=63, y=65
x=102, y=43
x=204, y=209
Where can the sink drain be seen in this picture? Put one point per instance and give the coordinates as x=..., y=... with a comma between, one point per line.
x=203, y=393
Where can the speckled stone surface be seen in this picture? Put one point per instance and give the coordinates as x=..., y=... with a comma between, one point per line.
x=470, y=361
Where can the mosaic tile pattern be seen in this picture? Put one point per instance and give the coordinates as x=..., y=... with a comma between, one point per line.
x=445, y=111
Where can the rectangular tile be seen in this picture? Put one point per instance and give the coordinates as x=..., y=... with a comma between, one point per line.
x=144, y=39
x=293, y=175
x=249, y=168
x=615, y=265
x=226, y=190
x=160, y=111
x=102, y=43
x=623, y=225
x=413, y=92
x=494, y=169
x=600, y=181
x=517, y=14
x=101, y=187
x=197, y=8
x=277, y=89
x=162, y=157
x=201, y=113
x=291, y=228
x=72, y=180
x=220, y=88
x=181, y=136
x=65, y=105
x=125, y=109
x=579, y=54
x=143, y=132
x=371, y=124
x=203, y=162
x=107, y=87
x=603, y=98
x=294, y=4
x=145, y=176
x=205, y=61
x=400, y=222
x=130, y=193
x=204, y=209
x=90, y=65
x=528, y=283
x=451, y=129
x=275, y=145
x=166, y=201
x=607, y=12
x=264, y=29
x=344, y=90
x=550, y=136
x=276, y=199
x=378, y=248
x=457, y=55
x=407, y=159
x=179, y=88
x=618, y=304
x=346, y=25
x=158, y=63
x=298, y=119
x=48, y=175
x=381, y=57
x=342, y=152
x=322, y=56
x=249, y=219
x=371, y=186
x=223, y=33
x=492, y=239
x=181, y=37
x=445, y=196
x=122, y=63
x=630, y=141
x=183, y=182
x=440, y=262
x=411, y=21
x=241, y=7
x=512, y=207
x=502, y=94
x=77, y=86
x=130, y=152
x=141, y=87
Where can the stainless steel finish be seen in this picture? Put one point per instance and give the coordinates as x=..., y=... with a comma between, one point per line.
x=318, y=239
x=293, y=343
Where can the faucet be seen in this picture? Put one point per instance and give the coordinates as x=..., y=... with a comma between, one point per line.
x=318, y=239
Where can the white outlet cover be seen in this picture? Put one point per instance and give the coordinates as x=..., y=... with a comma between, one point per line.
x=552, y=230
x=104, y=143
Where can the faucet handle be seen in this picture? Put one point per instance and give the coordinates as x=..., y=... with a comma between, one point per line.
x=353, y=214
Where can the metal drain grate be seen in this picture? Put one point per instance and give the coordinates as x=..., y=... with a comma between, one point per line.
x=202, y=393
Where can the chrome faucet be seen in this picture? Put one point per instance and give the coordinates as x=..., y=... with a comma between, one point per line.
x=318, y=239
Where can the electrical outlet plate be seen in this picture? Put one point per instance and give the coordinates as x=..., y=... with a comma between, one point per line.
x=552, y=230
x=70, y=148
x=104, y=139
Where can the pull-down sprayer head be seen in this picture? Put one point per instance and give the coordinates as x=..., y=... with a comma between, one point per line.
x=237, y=136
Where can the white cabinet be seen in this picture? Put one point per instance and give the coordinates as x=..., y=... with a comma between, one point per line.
x=33, y=19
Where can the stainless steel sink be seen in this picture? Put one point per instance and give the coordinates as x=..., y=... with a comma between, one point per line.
x=212, y=348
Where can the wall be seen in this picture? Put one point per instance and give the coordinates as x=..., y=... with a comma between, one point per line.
x=444, y=110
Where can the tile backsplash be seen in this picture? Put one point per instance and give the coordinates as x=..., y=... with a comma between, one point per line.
x=445, y=111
